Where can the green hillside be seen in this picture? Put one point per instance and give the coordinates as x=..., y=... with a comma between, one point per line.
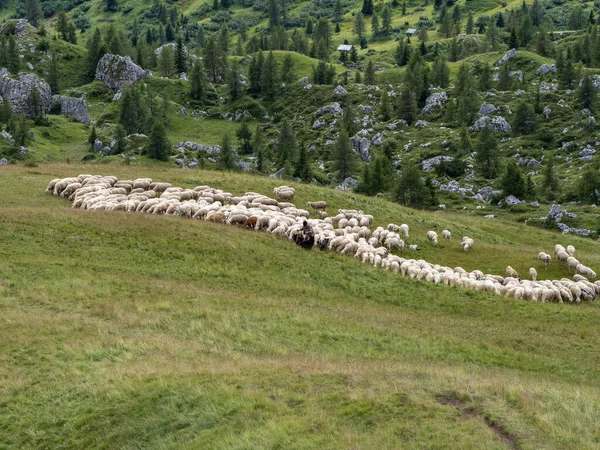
x=128, y=330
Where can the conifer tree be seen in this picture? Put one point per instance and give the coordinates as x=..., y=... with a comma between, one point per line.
x=386, y=20
x=227, y=157
x=375, y=27
x=12, y=55
x=180, y=57
x=343, y=157
x=288, y=74
x=470, y=24
x=370, y=73
x=166, y=63
x=244, y=136
x=158, y=146
x=255, y=73
x=465, y=94
x=120, y=142
x=385, y=109
x=338, y=11
x=513, y=41
x=198, y=83
x=286, y=147
x=95, y=51
x=367, y=7
x=407, y=104
x=33, y=12
x=504, y=79
x=92, y=137
x=359, y=25
x=302, y=167
x=487, y=157
x=411, y=190
x=214, y=60
x=587, y=93
x=524, y=121
x=54, y=74
x=348, y=117
x=269, y=78
x=512, y=181
x=550, y=182
x=236, y=90
x=440, y=75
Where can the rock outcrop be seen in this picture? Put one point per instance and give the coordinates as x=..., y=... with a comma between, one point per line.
x=435, y=102
x=18, y=93
x=509, y=54
x=73, y=107
x=172, y=47
x=498, y=124
x=117, y=72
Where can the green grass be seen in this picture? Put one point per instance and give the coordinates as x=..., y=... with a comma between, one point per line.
x=136, y=331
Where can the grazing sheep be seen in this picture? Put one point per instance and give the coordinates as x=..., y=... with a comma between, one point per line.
x=583, y=270
x=559, y=248
x=467, y=243
x=321, y=214
x=284, y=193
x=250, y=222
x=562, y=256
x=404, y=230
x=572, y=264
x=571, y=250
x=510, y=272
x=393, y=227
x=413, y=247
x=533, y=274
x=317, y=205
x=446, y=235
x=544, y=257
x=433, y=237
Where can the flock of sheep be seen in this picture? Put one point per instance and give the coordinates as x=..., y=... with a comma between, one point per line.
x=347, y=232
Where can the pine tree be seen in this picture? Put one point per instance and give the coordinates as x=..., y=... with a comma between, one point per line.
x=338, y=11
x=525, y=31
x=224, y=39
x=367, y=7
x=35, y=103
x=470, y=24
x=512, y=181
x=165, y=62
x=454, y=49
x=513, y=41
x=111, y=5
x=504, y=79
x=370, y=73
x=214, y=60
x=530, y=190
x=180, y=57
x=92, y=137
x=440, y=75
x=465, y=145
x=375, y=27
x=485, y=78
x=411, y=190
x=385, y=109
x=236, y=90
x=198, y=83
x=550, y=182
x=343, y=157
x=309, y=26
x=269, y=78
x=286, y=147
x=288, y=74
x=404, y=8
x=589, y=185
x=120, y=141
x=524, y=121
x=95, y=51
x=227, y=157
x=386, y=20
x=407, y=104
x=258, y=141
x=255, y=73
x=359, y=25
x=158, y=146
x=12, y=55
x=33, y=12
x=62, y=23
x=348, y=117
x=587, y=93
x=465, y=95
x=244, y=136
x=54, y=74
x=273, y=12
x=487, y=157
x=302, y=167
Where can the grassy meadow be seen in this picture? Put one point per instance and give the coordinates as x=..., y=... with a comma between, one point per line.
x=134, y=331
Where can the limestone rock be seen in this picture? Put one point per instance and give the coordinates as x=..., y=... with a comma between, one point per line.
x=420, y=124
x=547, y=112
x=431, y=163
x=22, y=27
x=545, y=69
x=435, y=101
x=509, y=54
x=303, y=80
x=3, y=162
x=347, y=184
x=339, y=90
x=73, y=107
x=173, y=48
x=486, y=109
x=498, y=124
x=18, y=93
x=334, y=109
x=318, y=124
x=361, y=145
x=117, y=72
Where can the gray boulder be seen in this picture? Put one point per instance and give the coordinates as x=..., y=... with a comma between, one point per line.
x=21, y=26
x=533, y=163
x=535, y=204
x=435, y=101
x=303, y=80
x=377, y=139
x=420, y=124
x=361, y=146
x=308, y=87
x=545, y=69
x=555, y=213
x=334, y=109
x=547, y=112
x=486, y=109
x=588, y=151
x=171, y=46
x=339, y=90
x=117, y=72
x=318, y=124
x=98, y=144
x=278, y=174
x=430, y=163
x=497, y=124
x=18, y=93
x=3, y=162
x=73, y=107
x=509, y=54
x=517, y=74
x=347, y=184
x=511, y=200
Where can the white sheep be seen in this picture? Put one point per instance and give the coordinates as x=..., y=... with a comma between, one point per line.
x=404, y=230
x=583, y=270
x=510, y=272
x=533, y=274
x=317, y=205
x=433, y=237
x=571, y=250
x=446, y=235
x=544, y=257
x=572, y=264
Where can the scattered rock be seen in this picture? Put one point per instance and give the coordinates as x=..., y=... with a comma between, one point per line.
x=117, y=72
x=117, y=96
x=361, y=146
x=420, y=124
x=431, y=163
x=486, y=109
x=29, y=65
x=18, y=93
x=533, y=163
x=435, y=101
x=509, y=54
x=517, y=74
x=98, y=144
x=334, y=109
x=194, y=146
x=377, y=139
x=545, y=69
x=339, y=90
x=547, y=112
x=22, y=27
x=173, y=48
x=535, y=204
x=347, y=184
x=73, y=107
x=490, y=216
x=498, y=124
x=183, y=76
x=308, y=87
x=3, y=162
x=318, y=124
x=511, y=200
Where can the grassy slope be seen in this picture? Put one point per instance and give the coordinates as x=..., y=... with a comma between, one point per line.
x=128, y=331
